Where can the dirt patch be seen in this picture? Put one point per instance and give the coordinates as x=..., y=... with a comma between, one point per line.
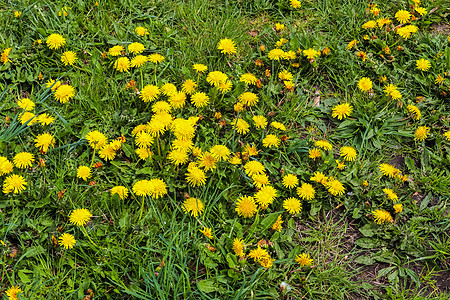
x=441, y=28
x=398, y=162
x=443, y=281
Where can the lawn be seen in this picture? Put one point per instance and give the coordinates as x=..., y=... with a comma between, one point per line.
x=225, y=149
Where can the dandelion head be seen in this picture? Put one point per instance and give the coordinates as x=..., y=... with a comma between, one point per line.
x=246, y=206
x=67, y=240
x=193, y=206
x=80, y=216
x=292, y=205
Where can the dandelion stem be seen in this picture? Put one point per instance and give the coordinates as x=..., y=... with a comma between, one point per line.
x=159, y=148
x=155, y=73
x=142, y=79
x=142, y=208
x=92, y=161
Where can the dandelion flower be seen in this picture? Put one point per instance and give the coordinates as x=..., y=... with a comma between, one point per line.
x=207, y=161
x=122, y=64
x=144, y=139
x=26, y=104
x=311, y=53
x=200, y=68
x=348, y=153
x=246, y=206
x=156, y=58
x=13, y=293
x=276, y=54
x=254, y=167
x=178, y=157
x=84, y=172
x=6, y=166
x=28, y=117
x=4, y=58
x=68, y=58
x=295, y=3
x=248, y=78
x=227, y=46
x=382, y=216
x=225, y=86
x=67, y=240
x=45, y=119
x=351, y=44
x=207, y=232
x=342, y=111
x=44, y=141
x=14, y=183
x=141, y=31
x=285, y=75
x=365, y=84
x=403, y=16
x=398, y=208
x=319, y=177
x=391, y=194
x=156, y=188
x=389, y=170
x=370, y=24
x=51, y=84
x=177, y=100
x=80, y=216
x=266, y=195
x=138, y=61
x=414, y=110
x=64, y=93
x=278, y=125
x=423, y=64
x=306, y=191
x=136, y=48
x=215, y=78
x=161, y=107
x=189, y=86
x=238, y=247
x=270, y=141
x=290, y=181
x=421, y=133
x=248, y=98
x=220, y=152
x=195, y=177
x=292, y=205
x=277, y=225
x=335, y=187
x=120, y=190
x=200, y=99
x=314, y=153
x=142, y=188
x=260, y=121
x=258, y=254
x=55, y=41
x=116, y=50
x=447, y=135
x=323, y=144
x=250, y=150
x=241, y=125
x=23, y=160
x=107, y=152
x=96, y=139
x=303, y=260
x=149, y=93
x=193, y=206
x=260, y=180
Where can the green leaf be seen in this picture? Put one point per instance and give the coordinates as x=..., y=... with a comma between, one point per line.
x=365, y=260
x=268, y=221
x=367, y=230
x=127, y=150
x=367, y=243
x=425, y=201
x=207, y=285
x=410, y=164
x=23, y=277
x=147, y=170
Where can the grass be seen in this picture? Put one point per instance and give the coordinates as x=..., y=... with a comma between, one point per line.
x=162, y=255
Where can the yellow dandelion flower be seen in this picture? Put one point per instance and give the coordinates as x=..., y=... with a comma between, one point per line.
x=270, y=141
x=14, y=293
x=220, y=152
x=306, y=191
x=370, y=24
x=335, y=187
x=84, y=172
x=314, y=153
x=295, y=3
x=403, y=16
x=80, y=216
x=177, y=100
x=323, y=144
x=391, y=194
x=342, y=111
x=207, y=232
x=215, y=78
x=138, y=61
x=227, y=46
x=141, y=31
x=178, y=157
x=423, y=64
x=447, y=135
x=389, y=170
x=45, y=119
x=241, y=126
x=266, y=195
x=200, y=68
x=414, y=110
x=260, y=121
x=195, y=177
x=136, y=48
x=398, y=208
x=14, y=183
x=260, y=180
x=23, y=160
x=277, y=225
x=26, y=104
x=122, y=64
x=259, y=254
x=319, y=177
x=52, y=85
x=116, y=50
x=193, y=206
x=107, y=152
x=311, y=53
x=248, y=78
x=55, y=41
x=303, y=260
x=225, y=86
x=68, y=58
x=365, y=84
x=278, y=125
x=6, y=166
x=207, y=161
x=67, y=240
x=120, y=190
x=290, y=181
x=248, y=98
x=96, y=139
x=351, y=44
x=348, y=153
x=276, y=54
x=161, y=107
x=254, y=167
x=238, y=247
x=28, y=117
x=246, y=206
x=382, y=216
x=156, y=58
x=4, y=57
x=44, y=141
x=292, y=205
x=149, y=93
x=189, y=86
x=64, y=93
x=421, y=133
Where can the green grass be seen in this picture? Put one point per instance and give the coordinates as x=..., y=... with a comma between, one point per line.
x=163, y=255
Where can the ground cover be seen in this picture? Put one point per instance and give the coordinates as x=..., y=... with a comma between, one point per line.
x=225, y=149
